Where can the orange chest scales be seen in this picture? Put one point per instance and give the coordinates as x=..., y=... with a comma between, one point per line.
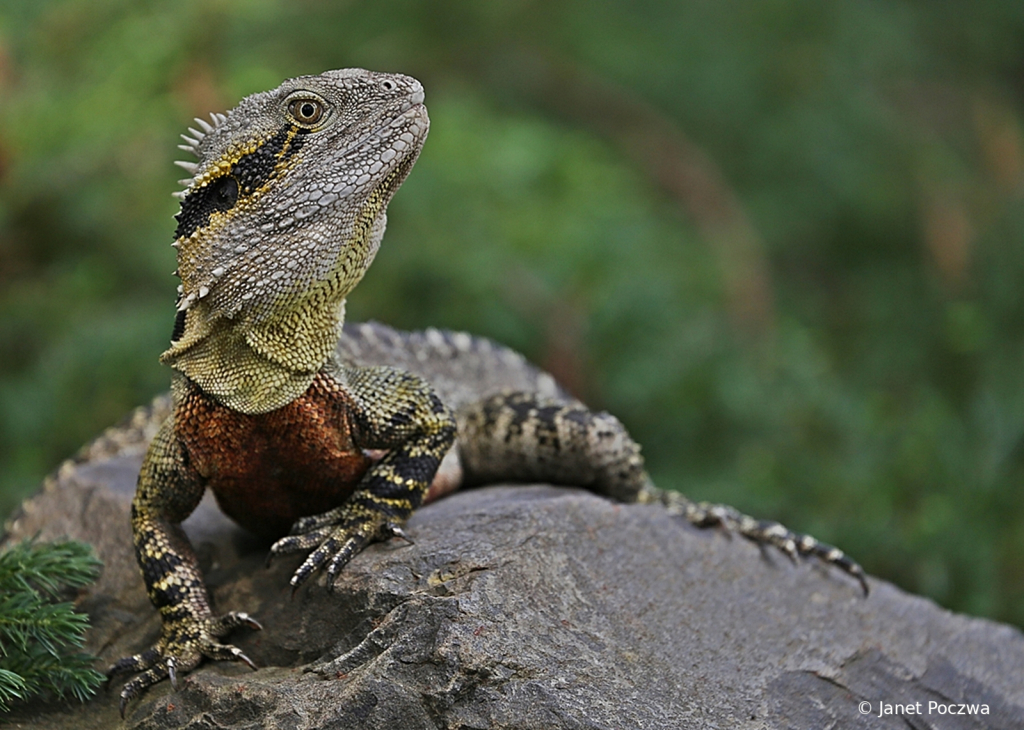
x=267, y=470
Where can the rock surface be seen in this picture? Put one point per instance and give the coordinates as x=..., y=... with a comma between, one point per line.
x=530, y=607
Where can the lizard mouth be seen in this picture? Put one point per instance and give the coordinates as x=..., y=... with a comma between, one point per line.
x=382, y=193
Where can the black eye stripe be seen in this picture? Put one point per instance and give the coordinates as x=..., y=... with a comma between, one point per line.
x=247, y=175
x=196, y=209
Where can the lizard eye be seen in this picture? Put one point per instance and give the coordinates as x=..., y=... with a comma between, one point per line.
x=306, y=112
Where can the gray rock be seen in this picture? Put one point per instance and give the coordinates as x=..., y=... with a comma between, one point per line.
x=530, y=607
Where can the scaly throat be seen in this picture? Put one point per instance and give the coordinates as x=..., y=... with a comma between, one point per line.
x=258, y=364
x=256, y=368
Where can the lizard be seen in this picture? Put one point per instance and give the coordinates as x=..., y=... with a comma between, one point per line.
x=325, y=436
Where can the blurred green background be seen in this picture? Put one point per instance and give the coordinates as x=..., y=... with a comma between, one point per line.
x=781, y=239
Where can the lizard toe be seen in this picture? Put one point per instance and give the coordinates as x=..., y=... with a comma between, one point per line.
x=141, y=683
x=132, y=664
x=298, y=543
x=227, y=652
x=312, y=523
x=233, y=620
x=342, y=543
x=351, y=547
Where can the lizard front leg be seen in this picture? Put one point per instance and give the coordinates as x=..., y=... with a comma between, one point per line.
x=167, y=493
x=395, y=411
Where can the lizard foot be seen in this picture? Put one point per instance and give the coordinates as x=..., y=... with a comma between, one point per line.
x=183, y=643
x=335, y=538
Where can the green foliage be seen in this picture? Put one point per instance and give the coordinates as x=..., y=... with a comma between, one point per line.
x=37, y=636
x=781, y=240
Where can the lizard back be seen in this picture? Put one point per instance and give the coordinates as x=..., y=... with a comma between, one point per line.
x=462, y=368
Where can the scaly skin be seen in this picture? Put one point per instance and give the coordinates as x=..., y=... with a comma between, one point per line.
x=338, y=435
x=283, y=214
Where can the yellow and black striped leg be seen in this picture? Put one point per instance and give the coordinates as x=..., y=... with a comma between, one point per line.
x=396, y=411
x=166, y=495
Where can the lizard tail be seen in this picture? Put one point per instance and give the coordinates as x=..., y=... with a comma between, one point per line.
x=528, y=437
x=763, y=532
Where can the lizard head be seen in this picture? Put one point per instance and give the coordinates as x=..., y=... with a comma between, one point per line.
x=287, y=201
x=283, y=214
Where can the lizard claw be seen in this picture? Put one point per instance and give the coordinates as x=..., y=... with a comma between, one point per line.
x=234, y=619
x=122, y=705
x=172, y=672
x=393, y=529
x=240, y=656
x=334, y=545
